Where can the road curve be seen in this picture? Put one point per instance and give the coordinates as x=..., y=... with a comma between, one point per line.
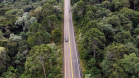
x=71, y=59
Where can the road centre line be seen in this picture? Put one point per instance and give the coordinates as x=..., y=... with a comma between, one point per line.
x=70, y=48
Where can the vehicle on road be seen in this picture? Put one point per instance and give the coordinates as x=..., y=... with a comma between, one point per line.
x=66, y=39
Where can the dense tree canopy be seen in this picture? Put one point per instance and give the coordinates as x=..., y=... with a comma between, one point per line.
x=29, y=30
x=107, y=34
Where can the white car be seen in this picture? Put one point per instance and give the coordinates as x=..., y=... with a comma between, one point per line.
x=66, y=39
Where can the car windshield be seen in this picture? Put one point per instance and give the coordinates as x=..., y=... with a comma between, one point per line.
x=66, y=39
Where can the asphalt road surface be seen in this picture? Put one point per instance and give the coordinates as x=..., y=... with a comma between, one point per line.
x=71, y=59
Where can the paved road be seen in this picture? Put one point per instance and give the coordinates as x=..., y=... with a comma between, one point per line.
x=71, y=59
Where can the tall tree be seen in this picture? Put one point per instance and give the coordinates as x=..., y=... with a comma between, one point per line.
x=46, y=11
x=35, y=27
x=130, y=64
x=94, y=38
x=106, y=4
x=56, y=35
x=41, y=37
x=11, y=73
x=80, y=8
x=123, y=37
x=37, y=57
x=126, y=3
x=111, y=66
x=52, y=22
x=109, y=33
x=134, y=2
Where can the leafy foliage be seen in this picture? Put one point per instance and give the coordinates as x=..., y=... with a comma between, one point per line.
x=26, y=26
x=10, y=73
x=109, y=30
x=130, y=64
x=56, y=35
x=15, y=37
x=39, y=38
x=37, y=57
x=42, y=58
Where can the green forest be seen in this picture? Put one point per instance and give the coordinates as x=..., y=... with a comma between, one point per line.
x=107, y=33
x=31, y=38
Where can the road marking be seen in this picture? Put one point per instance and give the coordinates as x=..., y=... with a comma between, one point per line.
x=70, y=47
x=76, y=52
x=75, y=45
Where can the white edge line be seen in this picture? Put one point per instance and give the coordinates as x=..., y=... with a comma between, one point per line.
x=76, y=50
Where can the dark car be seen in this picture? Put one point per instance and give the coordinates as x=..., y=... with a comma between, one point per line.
x=66, y=39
